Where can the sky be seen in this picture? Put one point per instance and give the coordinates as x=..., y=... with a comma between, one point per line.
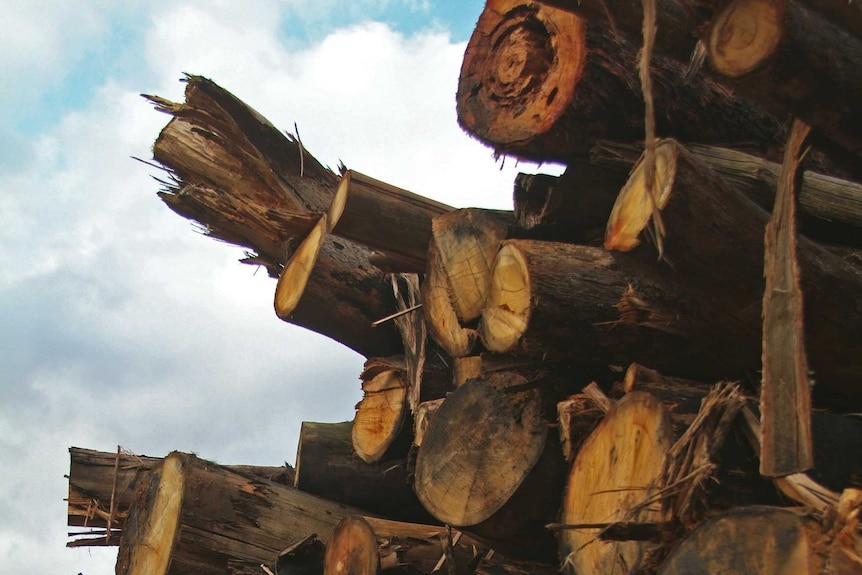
x=122, y=325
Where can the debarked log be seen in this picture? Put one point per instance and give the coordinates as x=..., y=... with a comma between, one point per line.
x=554, y=300
x=711, y=240
x=537, y=82
x=192, y=516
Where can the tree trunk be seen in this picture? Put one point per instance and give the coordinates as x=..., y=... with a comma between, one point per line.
x=553, y=301
x=327, y=466
x=756, y=540
x=830, y=208
x=792, y=61
x=713, y=246
x=617, y=470
x=483, y=464
x=536, y=83
x=96, y=478
x=192, y=516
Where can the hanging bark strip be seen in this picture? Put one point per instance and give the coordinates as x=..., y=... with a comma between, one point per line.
x=537, y=83
x=794, y=62
x=785, y=397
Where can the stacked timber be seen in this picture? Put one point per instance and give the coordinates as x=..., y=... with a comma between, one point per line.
x=508, y=422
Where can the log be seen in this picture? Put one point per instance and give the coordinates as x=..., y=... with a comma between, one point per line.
x=792, y=61
x=96, y=478
x=250, y=185
x=616, y=471
x=571, y=208
x=192, y=516
x=537, y=83
x=381, y=416
x=712, y=246
x=442, y=321
x=551, y=300
x=830, y=208
x=483, y=465
x=327, y=466
x=751, y=540
x=352, y=549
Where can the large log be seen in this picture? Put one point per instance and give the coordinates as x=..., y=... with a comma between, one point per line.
x=100, y=481
x=250, y=185
x=537, y=82
x=552, y=300
x=485, y=464
x=791, y=60
x=326, y=466
x=192, y=516
x=713, y=245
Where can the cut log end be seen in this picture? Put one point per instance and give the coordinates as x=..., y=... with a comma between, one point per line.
x=380, y=415
x=440, y=316
x=291, y=284
x=507, y=310
x=634, y=208
x=525, y=81
x=352, y=550
x=151, y=554
x=745, y=35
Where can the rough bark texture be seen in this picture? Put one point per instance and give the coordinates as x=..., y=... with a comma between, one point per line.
x=326, y=466
x=537, y=83
x=712, y=245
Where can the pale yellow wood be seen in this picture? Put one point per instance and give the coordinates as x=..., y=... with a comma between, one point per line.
x=744, y=35
x=380, y=415
x=507, y=309
x=293, y=279
x=152, y=555
x=614, y=474
x=440, y=316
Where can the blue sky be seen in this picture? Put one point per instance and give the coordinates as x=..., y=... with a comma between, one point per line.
x=123, y=326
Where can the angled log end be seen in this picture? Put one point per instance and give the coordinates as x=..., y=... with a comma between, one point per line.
x=745, y=35
x=507, y=310
x=635, y=206
x=291, y=284
x=352, y=550
x=380, y=415
x=519, y=70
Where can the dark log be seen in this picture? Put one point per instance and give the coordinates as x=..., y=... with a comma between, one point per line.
x=551, y=300
x=791, y=60
x=713, y=245
x=752, y=541
x=571, y=208
x=537, y=83
x=484, y=465
x=96, y=478
x=326, y=466
x=193, y=516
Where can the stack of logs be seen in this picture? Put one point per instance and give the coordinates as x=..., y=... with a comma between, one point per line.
x=509, y=424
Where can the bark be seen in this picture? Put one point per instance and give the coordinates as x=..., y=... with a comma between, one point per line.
x=95, y=477
x=793, y=61
x=193, y=516
x=327, y=466
x=712, y=245
x=483, y=464
x=352, y=549
x=615, y=473
x=536, y=83
x=562, y=301
x=752, y=540
x=785, y=393
x=830, y=208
